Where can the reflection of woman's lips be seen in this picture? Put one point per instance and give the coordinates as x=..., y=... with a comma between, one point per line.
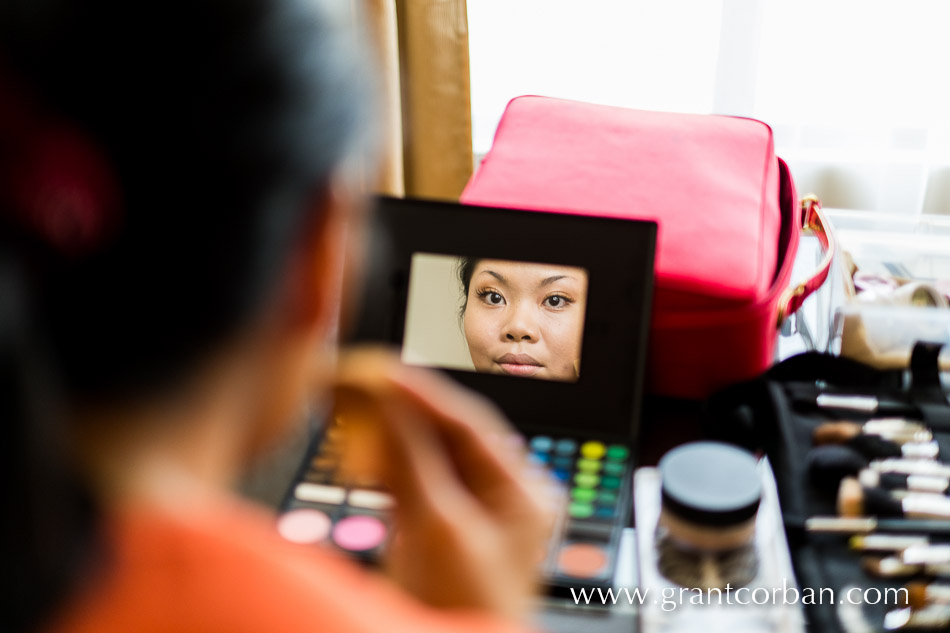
x=519, y=364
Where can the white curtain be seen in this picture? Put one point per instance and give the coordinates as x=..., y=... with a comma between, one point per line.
x=858, y=92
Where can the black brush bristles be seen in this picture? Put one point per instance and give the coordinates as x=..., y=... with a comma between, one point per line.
x=828, y=465
x=879, y=502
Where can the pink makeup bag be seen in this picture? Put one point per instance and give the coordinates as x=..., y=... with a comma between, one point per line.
x=729, y=221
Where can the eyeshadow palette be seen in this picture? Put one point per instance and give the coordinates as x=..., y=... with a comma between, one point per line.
x=549, y=319
x=596, y=475
x=353, y=516
x=322, y=508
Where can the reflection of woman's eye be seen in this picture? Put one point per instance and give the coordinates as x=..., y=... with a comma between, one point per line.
x=557, y=301
x=490, y=297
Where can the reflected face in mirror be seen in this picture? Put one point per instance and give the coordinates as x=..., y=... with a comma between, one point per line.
x=524, y=319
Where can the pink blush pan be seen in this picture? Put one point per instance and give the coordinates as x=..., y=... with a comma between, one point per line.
x=359, y=533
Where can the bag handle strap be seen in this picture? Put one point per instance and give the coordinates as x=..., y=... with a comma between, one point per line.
x=815, y=222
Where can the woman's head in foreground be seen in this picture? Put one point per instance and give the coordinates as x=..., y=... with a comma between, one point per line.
x=173, y=179
x=523, y=319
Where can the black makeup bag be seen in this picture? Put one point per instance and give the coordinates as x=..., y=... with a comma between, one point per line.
x=777, y=414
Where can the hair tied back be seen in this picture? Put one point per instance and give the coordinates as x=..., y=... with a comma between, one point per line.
x=56, y=186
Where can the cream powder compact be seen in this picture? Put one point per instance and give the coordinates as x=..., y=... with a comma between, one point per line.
x=706, y=530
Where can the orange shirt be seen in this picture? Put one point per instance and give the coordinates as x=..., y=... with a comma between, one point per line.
x=225, y=569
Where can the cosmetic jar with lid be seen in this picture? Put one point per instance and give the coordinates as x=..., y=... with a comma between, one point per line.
x=706, y=530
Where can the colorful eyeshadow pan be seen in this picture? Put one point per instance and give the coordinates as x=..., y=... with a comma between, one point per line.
x=607, y=497
x=586, y=480
x=539, y=459
x=352, y=514
x=563, y=462
x=578, y=510
x=618, y=453
x=359, y=533
x=588, y=465
x=304, y=526
x=541, y=444
x=593, y=450
x=582, y=560
x=320, y=494
x=370, y=499
x=584, y=495
x=605, y=513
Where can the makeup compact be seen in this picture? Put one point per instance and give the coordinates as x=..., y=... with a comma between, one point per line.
x=710, y=533
x=705, y=534
x=547, y=315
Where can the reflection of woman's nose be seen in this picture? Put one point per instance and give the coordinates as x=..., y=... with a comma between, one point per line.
x=520, y=326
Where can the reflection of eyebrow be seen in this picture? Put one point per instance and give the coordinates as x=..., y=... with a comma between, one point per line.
x=551, y=280
x=497, y=276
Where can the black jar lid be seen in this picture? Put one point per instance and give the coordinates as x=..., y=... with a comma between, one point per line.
x=710, y=483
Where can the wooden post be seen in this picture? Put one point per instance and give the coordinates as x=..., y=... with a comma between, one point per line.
x=436, y=101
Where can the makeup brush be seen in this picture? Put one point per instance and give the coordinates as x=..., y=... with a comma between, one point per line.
x=902, y=481
x=867, y=525
x=854, y=501
x=899, y=432
x=936, y=554
x=886, y=542
x=894, y=567
x=921, y=594
x=932, y=618
x=911, y=467
x=828, y=465
x=876, y=447
x=860, y=403
x=893, y=425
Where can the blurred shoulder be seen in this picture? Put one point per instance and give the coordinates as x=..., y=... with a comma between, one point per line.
x=221, y=567
x=224, y=568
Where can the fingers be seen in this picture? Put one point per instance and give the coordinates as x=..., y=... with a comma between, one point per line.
x=489, y=460
x=465, y=507
x=383, y=441
x=420, y=472
x=473, y=430
x=445, y=440
x=485, y=450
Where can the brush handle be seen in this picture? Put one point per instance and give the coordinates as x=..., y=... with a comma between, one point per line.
x=925, y=506
x=916, y=483
x=887, y=542
x=926, y=555
x=866, y=525
x=935, y=617
x=911, y=467
x=938, y=593
x=920, y=450
x=903, y=482
x=880, y=426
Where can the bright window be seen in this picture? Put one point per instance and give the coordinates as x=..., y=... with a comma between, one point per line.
x=858, y=92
